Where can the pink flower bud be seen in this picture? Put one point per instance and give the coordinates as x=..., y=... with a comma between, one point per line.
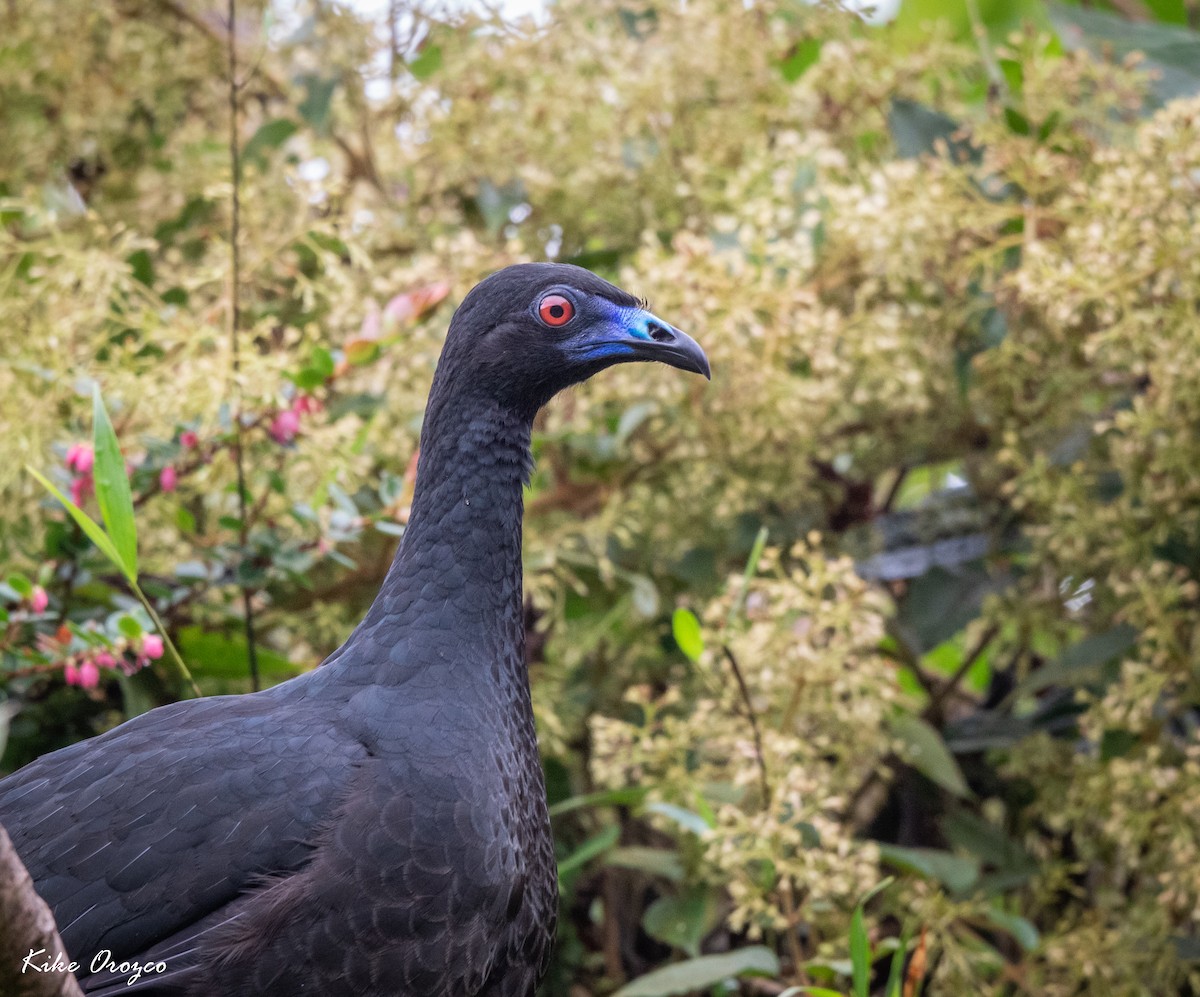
x=38, y=601
x=80, y=458
x=81, y=488
x=89, y=675
x=285, y=426
x=188, y=439
x=306, y=405
x=152, y=646
x=370, y=325
x=168, y=479
x=71, y=673
x=105, y=660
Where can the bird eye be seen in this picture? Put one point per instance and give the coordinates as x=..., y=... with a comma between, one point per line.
x=555, y=310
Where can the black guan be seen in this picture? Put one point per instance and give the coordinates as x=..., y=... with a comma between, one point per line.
x=376, y=827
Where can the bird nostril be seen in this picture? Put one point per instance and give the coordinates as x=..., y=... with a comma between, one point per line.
x=659, y=333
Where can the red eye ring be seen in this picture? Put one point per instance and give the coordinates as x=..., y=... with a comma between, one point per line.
x=555, y=310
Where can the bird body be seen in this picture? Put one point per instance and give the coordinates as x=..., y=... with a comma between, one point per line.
x=377, y=826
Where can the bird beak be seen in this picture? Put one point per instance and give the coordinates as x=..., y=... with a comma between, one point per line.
x=630, y=334
x=654, y=340
x=650, y=338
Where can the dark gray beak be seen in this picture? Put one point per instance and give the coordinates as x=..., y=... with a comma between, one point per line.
x=653, y=339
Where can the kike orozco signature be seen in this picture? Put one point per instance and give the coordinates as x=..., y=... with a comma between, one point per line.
x=102, y=962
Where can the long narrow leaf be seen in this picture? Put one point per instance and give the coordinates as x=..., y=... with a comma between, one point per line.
x=112, y=487
x=860, y=953
x=702, y=972
x=95, y=532
x=896, y=973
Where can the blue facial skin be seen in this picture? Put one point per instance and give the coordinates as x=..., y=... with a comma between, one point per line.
x=610, y=333
x=633, y=322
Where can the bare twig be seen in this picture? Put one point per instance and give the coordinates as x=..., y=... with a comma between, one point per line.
x=939, y=696
x=894, y=490
x=752, y=717
x=234, y=323
x=795, y=949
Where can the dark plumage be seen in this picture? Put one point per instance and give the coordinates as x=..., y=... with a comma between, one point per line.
x=377, y=826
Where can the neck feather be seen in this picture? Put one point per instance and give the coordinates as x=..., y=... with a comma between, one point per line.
x=453, y=592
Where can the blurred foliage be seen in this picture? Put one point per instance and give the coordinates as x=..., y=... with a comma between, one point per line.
x=946, y=273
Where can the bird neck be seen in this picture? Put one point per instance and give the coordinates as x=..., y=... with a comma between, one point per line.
x=453, y=592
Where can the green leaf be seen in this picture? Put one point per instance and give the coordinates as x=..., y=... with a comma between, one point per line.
x=860, y=953
x=1168, y=11
x=93, y=530
x=315, y=107
x=973, y=834
x=1117, y=742
x=1172, y=52
x=928, y=754
x=685, y=628
x=596, y=845
x=895, y=980
x=655, y=861
x=1082, y=662
x=361, y=352
x=129, y=626
x=269, y=136
x=802, y=58
x=627, y=797
x=683, y=920
x=141, y=264
x=112, y=487
x=21, y=585
x=427, y=63
x=135, y=694
x=700, y=973
x=956, y=873
x=224, y=657
x=1017, y=123
x=918, y=131
x=939, y=603
x=999, y=17
x=684, y=818
x=321, y=361
x=1022, y=931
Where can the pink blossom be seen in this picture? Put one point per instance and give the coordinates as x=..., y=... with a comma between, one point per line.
x=371, y=326
x=89, y=674
x=285, y=426
x=71, y=673
x=168, y=479
x=38, y=601
x=80, y=458
x=105, y=660
x=306, y=405
x=188, y=439
x=81, y=488
x=152, y=646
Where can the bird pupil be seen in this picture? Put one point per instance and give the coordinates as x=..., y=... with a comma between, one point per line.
x=556, y=311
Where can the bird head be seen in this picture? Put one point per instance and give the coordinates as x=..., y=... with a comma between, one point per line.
x=531, y=330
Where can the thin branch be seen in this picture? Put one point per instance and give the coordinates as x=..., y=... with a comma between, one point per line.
x=894, y=491
x=795, y=949
x=937, y=698
x=235, y=317
x=184, y=671
x=753, y=718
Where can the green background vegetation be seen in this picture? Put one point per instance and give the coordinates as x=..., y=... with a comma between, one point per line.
x=947, y=272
